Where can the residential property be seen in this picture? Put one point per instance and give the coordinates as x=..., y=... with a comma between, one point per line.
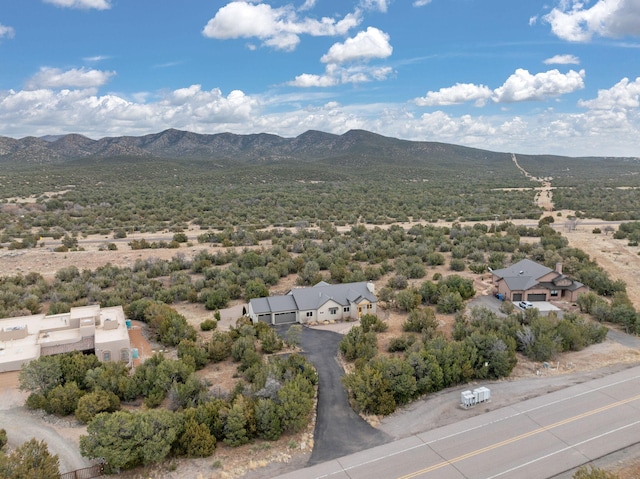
x=88, y=328
x=527, y=280
x=322, y=302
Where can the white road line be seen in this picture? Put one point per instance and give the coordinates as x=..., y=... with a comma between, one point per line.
x=558, y=401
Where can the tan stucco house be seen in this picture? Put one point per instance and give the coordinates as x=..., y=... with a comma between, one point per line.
x=322, y=302
x=87, y=328
x=531, y=281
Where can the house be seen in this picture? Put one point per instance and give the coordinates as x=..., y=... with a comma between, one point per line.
x=87, y=328
x=531, y=281
x=322, y=302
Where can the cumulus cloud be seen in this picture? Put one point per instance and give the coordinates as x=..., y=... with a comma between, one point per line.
x=49, y=111
x=74, y=78
x=6, y=31
x=81, y=4
x=459, y=93
x=574, y=21
x=594, y=131
x=279, y=28
x=523, y=86
x=371, y=43
x=337, y=74
x=307, y=80
x=623, y=95
x=562, y=60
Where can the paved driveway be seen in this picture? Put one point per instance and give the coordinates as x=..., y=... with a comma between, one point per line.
x=339, y=430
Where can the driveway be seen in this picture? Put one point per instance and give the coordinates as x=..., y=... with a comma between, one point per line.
x=22, y=424
x=339, y=430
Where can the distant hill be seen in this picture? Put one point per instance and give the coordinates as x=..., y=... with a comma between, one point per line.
x=353, y=148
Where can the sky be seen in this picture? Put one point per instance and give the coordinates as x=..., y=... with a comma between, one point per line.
x=523, y=76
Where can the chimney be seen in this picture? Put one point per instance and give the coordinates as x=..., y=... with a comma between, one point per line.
x=559, y=268
x=371, y=287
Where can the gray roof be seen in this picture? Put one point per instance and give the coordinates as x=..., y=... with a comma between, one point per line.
x=304, y=299
x=343, y=294
x=273, y=304
x=525, y=274
x=522, y=275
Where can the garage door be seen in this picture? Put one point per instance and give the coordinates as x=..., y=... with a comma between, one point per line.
x=517, y=297
x=284, y=318
x=536, y=297
x=264, y=318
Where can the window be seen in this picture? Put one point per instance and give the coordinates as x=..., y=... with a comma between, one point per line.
x=333, y=310
x=309, y=314
x=554, y=292
x=106, y=356
x=346, y=309
x=124, y=355
x=369, y=306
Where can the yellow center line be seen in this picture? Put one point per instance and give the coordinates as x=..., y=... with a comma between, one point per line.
x=519, y=438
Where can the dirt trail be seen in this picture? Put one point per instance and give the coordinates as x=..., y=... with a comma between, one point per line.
x=544, y=195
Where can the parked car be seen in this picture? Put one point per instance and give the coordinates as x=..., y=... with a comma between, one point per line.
x=525, y=304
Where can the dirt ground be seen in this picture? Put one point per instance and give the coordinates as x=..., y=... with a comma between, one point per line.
x=618, y=259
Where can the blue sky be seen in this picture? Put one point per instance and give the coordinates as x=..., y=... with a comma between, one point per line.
x=554, y=76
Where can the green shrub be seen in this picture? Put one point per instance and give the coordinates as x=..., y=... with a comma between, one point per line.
x=208, y=325
x=371, y=322
x=96, y=402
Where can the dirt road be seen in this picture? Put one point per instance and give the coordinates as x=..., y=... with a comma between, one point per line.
x=22, y=424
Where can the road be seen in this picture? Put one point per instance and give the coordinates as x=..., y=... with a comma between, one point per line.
x=339, y=430
x=537, y=438
x=22, y=425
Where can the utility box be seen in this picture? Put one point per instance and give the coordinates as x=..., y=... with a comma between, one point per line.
x=482, y=394
x=467, y=399
x=479, y=395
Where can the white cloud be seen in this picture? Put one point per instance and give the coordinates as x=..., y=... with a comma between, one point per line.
x=459, y=93
x=337, y=74
x=6, y=31
x=81, y=4
x=308, y=5
x=380, y=5
x=83, y=111
x=523, y=86
x=307, y=80
x=372, y=43
x=623, y=95
x=96, y=58
x=75, y=78
x=572, y=20
x=601, y=132
x=562, y=60
x=421, y=3
x=279, y=28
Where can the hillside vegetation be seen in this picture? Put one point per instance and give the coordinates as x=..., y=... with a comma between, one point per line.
x=167, y=181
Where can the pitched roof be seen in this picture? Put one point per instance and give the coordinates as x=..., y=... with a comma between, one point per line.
x=525, y=274
x=522, y=275
x=343, y=294
x=304, y=299
x=273, y=304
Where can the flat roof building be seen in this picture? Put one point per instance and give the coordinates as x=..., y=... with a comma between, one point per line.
x=86, y=328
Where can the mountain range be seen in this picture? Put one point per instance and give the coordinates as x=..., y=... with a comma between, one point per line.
x=229, y=149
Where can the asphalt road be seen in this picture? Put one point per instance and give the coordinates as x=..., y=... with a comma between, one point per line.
x=537, y=438
x=339, y=430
